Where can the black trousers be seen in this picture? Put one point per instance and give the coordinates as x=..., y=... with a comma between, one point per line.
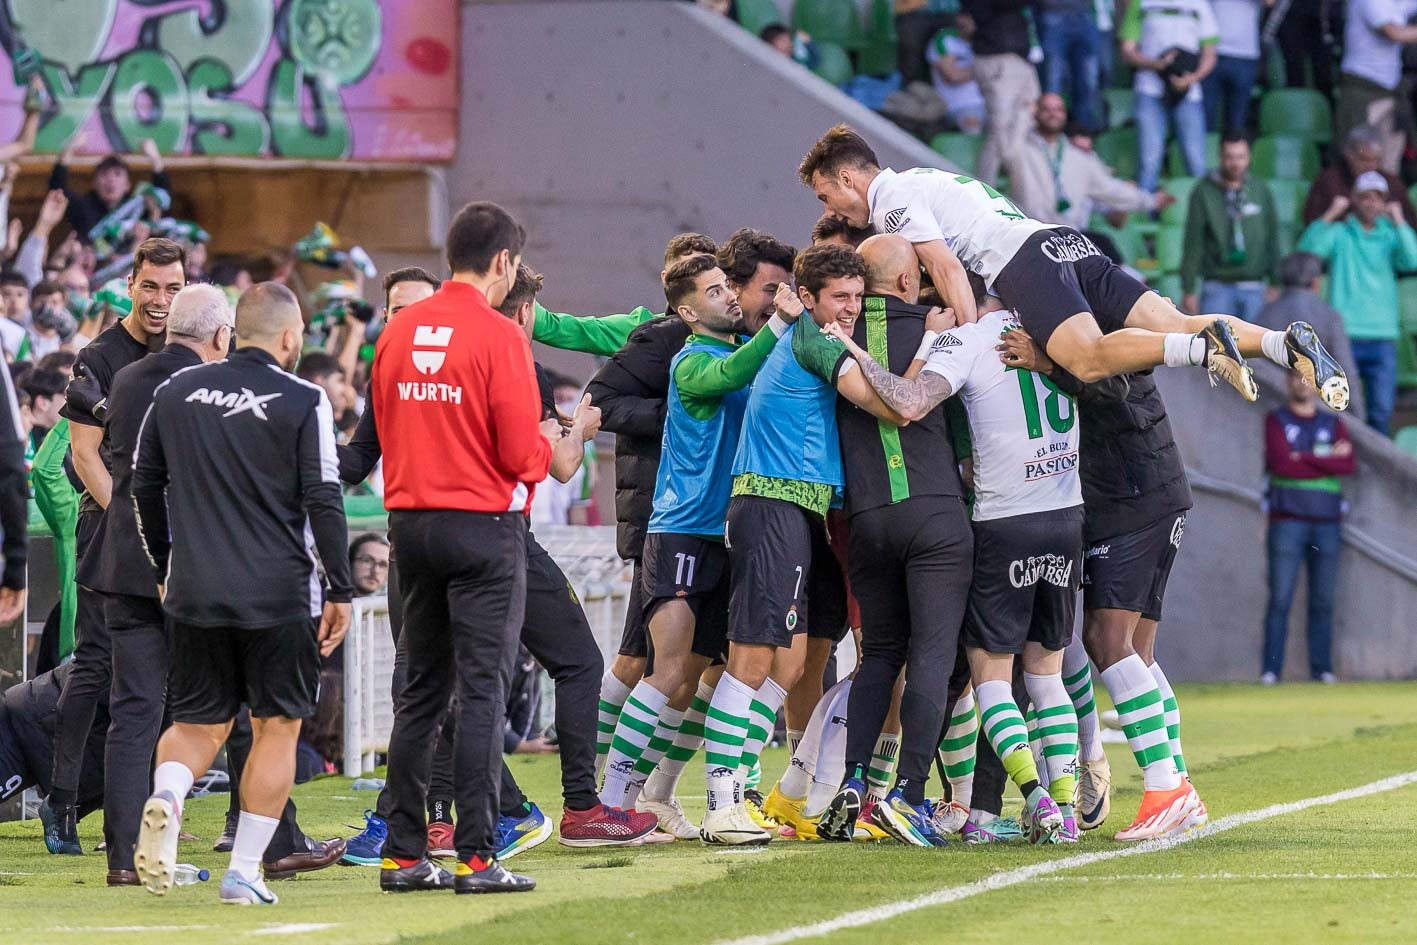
x=288, y=837
x=1301, y=36
x=93, y=661
x=914, y=31
x=463, y=581
x=135, y=708
x=911, y=565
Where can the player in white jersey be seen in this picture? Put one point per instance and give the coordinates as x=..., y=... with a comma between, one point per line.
x=1090, y=316
x=1027, y=547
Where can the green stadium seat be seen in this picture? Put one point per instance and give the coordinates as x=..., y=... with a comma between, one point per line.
x=1301, y=112
x=833, y=63
x=1180, y=188
x=1118, y=149
x=1170, y=242
x=1129, y=242
x=753, y=15
x=961, y=149
x=878, y=50
x=1289, y=197
x=1121, y=106
x=829, y=21
x=1407, y=332
x=1169, y=285
x=1176, y=164
x=1406, y=440
x=1285, y=156
x=1412, y=192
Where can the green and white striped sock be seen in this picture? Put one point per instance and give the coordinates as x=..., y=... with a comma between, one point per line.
x=1143, y=718
x=725, y=730
x=665, y=731
x=1079, y=686
x=766, y=702
x=1173, y=716
x=1007, y=733
x=878, y=776
x=664, y=780
x=613, y=694
x=957, y=750
x=1057, y=733
x=632, y=736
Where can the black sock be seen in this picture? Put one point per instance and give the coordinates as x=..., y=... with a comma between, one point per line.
x=440, y=810
x=912, y=791
x=1027, y=789
x=60, y=798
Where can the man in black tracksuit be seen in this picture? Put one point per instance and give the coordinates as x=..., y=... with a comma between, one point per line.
x=235, y=464
x=14, y=499
x=27, y=714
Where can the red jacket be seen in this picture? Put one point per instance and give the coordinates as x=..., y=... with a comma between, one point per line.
x=455, y=399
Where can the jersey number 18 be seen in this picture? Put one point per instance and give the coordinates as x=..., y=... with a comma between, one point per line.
x=1054, y=403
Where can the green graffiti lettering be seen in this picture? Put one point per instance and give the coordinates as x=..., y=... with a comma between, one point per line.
x=219, y=124
x=155, y=73
x=237, y=35
x=291, y=137
x=76, y=101
x=71, y=35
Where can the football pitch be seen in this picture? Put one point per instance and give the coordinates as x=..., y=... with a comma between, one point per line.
x=1312, y=794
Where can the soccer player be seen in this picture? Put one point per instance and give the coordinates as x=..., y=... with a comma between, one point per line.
x=1027, y=547
x=1074, y=301
x=243, y=450
x=686, y=588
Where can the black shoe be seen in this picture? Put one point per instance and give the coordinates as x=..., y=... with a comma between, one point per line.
x=492, y=878
x=838, y=822
x=424, y=874
x=1309, y=357
x=61, y=830
x=227, y=840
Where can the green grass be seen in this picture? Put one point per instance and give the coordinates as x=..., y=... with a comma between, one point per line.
x=1333, y=874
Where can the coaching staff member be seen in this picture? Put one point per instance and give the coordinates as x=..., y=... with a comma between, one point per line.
x=235, y=462
x=455, y=392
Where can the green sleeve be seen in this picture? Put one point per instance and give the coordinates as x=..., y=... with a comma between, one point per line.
x=604, y=335
x=1131, y=23
x=702, y=378
x=58, y=503
x=1404, y=257
x=1318, y=238
x=821, y=354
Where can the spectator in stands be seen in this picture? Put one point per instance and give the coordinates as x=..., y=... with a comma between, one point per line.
x=1306, y=451
x=31, y=259
x=1054, y=181
x=1304, y=30
x=1300, y=278
x=795, y=46
x=1232, y=237
x=1228, y=88
x=15, y=299
x=917, y=24
x=369, y=564
x=61, y=361
x=1067, y=30
x=1364, y=253
x=112, y=183
x=998, y=31
x=45, y=390
x=1362, y=152
x=1105, y=12
x=951, y=63
x=1371, y=72
x=50, y=322
x=1171, y=45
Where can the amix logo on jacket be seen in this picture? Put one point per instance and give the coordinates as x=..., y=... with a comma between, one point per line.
x=246, y=401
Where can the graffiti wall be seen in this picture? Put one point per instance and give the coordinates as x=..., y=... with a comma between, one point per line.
x=371, y=80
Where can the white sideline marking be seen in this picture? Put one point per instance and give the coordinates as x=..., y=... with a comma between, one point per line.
x=295, y=928
x=90, y=929
x=1208, y=877
x=1003, y=880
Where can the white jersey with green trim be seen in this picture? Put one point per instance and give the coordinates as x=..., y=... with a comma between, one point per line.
x=981, y=226
x=1024, y=429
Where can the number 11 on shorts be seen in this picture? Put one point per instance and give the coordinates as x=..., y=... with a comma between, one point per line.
x=685, y=563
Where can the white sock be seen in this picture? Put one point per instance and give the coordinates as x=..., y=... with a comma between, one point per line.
x=1077, y=677
x=878, y=776
x=1272, y=344
x=830, y=752
x=1173, y=715
x=798, y=776
x=1143, y=718
x=664, y=780
x=1057, y=732
x=957, y=749
x=725, y=729
x=632, y=734
x=794, y=738
x=767, y=701
x=1182, y=350
x=613, y=694
x=175, y=778
x=253, y=835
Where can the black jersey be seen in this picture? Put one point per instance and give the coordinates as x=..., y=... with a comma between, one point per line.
x=86, y=398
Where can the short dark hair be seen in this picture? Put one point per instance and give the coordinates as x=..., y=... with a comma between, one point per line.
x=526, y=288
x=47, y=287
x=44, y=383
x=410, y=274
x=160, y=252
x=688, y=244
x=820, y=264
x=1299, y=270
x=361, y=540
x=829, y=226
x=1235, y=136
x=110, y=162
x=13, y=277
x=679, y=281
x=316, y=365
x=478, y=233
x=747, y=249
x=57, y=361
x=772, y=31
x=839, y=147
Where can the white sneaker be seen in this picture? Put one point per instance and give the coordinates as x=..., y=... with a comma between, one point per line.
x=670, y=815
x=1328, y=679
x=1094, y=793
x=1268, y=679
x=155, y=856
x=731, y=826
x=237, y=890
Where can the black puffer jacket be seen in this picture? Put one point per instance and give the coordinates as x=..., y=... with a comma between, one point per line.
x=631, y=390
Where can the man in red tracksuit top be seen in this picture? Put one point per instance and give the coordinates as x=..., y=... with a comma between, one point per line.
x=455, y=394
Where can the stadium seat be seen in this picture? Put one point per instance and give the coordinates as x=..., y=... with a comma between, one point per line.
x=961, y=149
x=1176, y=164
x=833, y=63
x=1281, y=156
x=1170, y=242
x=1301, y=112
x=1407, y=332
x=1118, y=149
x=1412, y=192
x=829, y=21
x=1121, y=106
x=1406, y=440
x=1128, y=241
x=1169, y=285
x=753, y=15
x=1180, y=188
x=1289, y=197
x=878, y=50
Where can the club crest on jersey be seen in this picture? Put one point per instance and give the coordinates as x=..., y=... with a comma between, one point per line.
x=897, y=219
x=945, y=341
x=791, y=621
x=427, y=336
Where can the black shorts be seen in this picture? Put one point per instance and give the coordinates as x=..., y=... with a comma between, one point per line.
x=693, y=569
x=1058, y=273
x=1129, y=572
x=275, y=671
x=786, y=580
x=634, y=640
x=1027, y=570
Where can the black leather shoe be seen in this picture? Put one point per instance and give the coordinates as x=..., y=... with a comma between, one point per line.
x=123, y=878
x=492, y=878
x=317, y=855
x=425, y=874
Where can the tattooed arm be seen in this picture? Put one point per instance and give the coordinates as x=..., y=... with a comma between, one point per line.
x=910, y=399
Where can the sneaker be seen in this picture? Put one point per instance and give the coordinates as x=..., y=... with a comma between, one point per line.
x=1162, y=812
x=1094, y=794
x=440, y=840
x=731, y=826
x=61, y=830
x=227, y=840
x=155, y=857
x=1328, y=679
x=476, y=876
x=838, y=821
x=1269, y=679
x=911, y=825
x=1043, y=820
x=753, y=801
x=420, y=876
x=519, y=834
x=603, y=826
x=1199, y=816
x=670, y=815
x=787, y=811
x=1224, y=360
x=866, y=830
x=1308, y=356
x=237, y=890
x=993, y=830
x=366, y=848
x=949, y=817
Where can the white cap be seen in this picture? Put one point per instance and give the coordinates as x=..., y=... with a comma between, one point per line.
x=1370, y=180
